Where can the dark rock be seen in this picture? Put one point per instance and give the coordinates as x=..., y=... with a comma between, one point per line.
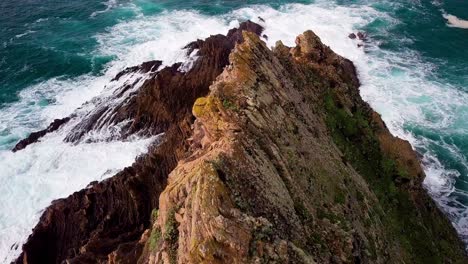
x=145, y=67
x=352, y=36
x=35, y=136
x=362, y=35
x=235, y=35
x=106, y=220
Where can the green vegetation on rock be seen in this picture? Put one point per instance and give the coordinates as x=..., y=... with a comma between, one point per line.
x=171, y=235
x=355, y=137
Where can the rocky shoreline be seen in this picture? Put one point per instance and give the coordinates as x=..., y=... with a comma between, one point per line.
x=268, y=155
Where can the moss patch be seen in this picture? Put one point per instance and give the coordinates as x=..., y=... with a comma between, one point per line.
x=155, y=235
x=171, y=235
x=353, y=134
x=199, y=106
x=302, y=211
x=228, y=104
x=154, y=238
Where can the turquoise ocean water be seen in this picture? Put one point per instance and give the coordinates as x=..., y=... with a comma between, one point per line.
x=57, y=54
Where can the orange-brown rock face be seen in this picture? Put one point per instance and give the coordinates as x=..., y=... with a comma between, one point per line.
x=285, y=168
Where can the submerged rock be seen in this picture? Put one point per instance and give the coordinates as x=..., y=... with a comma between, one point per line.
x=35, y=136
x=362, y=35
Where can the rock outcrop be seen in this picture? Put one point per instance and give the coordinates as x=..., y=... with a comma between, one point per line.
x=107, y=219
x=278, y=161
x=290, y=165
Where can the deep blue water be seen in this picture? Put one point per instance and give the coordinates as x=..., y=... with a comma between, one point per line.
x=414, y=70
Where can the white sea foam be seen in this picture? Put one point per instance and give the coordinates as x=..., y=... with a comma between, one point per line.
x=41, y=20
x=454, y=21
x=159, y=37
x=48, y=170
x=113, y=95
x=31, y=178
x=189, y=62
x=24, y=34
x=395, y=84
x=109, y=5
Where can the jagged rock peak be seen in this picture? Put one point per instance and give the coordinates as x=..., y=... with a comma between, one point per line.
x=290, y=165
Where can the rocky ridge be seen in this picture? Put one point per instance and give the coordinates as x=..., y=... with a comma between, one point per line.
x=107, y=219
x=290, y=165
x=278, y=161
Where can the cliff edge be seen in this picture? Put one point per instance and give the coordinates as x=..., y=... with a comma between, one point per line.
x=274, y=158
